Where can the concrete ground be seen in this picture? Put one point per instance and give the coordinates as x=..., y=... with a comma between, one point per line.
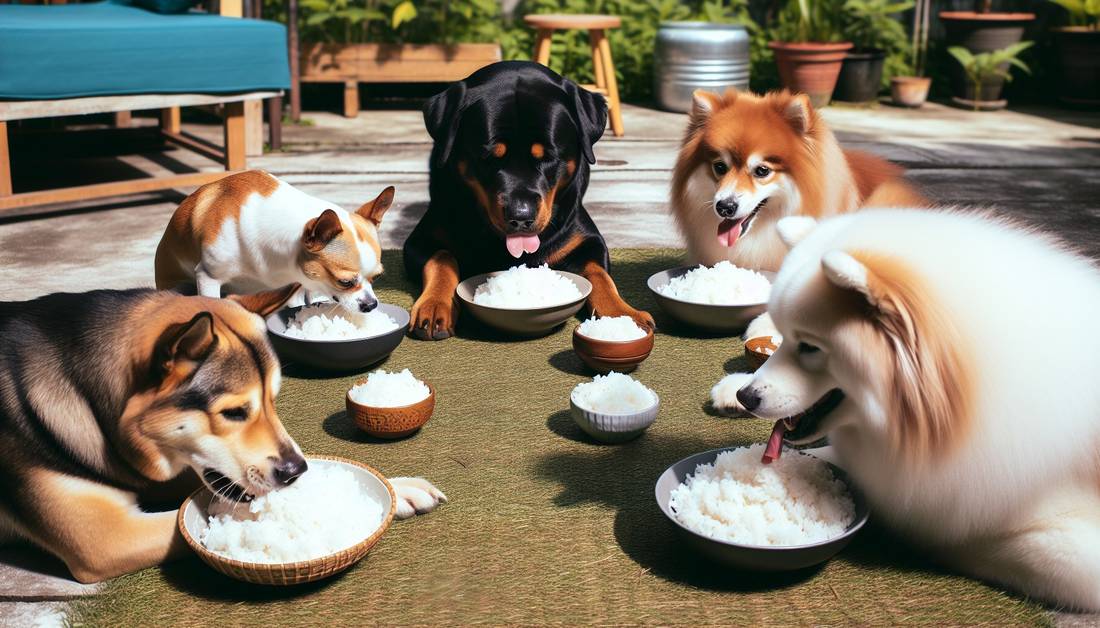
x=1042, y=165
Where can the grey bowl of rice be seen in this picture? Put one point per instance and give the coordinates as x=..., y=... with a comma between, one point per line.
x=721, y=299
x=613, y=408
x=325, y=336
x=524, y=301
x=791, y=514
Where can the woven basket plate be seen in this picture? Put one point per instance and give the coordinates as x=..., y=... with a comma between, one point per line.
x=193, y=518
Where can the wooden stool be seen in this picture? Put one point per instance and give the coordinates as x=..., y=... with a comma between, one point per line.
x=602, y=65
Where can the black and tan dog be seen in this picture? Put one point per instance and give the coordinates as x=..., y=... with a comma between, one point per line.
x=513, y=144
x=108, y=398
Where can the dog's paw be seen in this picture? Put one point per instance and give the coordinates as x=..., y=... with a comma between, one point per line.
x=416, y=496
x=724, y=394
x=643, y=319
x=761, y=326
x=433, y=318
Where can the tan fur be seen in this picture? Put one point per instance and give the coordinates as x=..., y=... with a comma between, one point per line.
x=933, y=384
x=605, y=299
x=435, y=310
x=199, y=219
x=538, y=151
x=565, y=249
x=500, y=149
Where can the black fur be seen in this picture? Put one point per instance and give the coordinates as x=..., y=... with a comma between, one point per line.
x=517, y=103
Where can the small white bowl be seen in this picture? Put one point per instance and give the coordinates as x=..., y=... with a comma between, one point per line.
x=614, y=428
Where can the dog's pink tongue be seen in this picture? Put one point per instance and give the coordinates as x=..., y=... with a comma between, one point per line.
x=520, y=244
x=775, y=443
x=728, y=232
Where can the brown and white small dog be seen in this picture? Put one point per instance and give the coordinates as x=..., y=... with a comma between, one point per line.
x=747, y=161
x=111, y=400
x=250, y=231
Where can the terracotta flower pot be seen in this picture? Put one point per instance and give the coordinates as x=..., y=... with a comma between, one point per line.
x=810, y=68
x=978, y=33
x=910, y=91
x=1079, y=58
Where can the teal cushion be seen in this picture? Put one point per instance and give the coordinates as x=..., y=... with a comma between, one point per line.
x=108, y=48
x=167, y=6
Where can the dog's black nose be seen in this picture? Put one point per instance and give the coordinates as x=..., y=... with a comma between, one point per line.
x=289, y=468
x=749, y=398
x=520, y=217
x=367, y=304
x=726, y=207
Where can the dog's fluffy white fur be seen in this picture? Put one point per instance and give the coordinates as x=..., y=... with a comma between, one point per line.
x=967, y=435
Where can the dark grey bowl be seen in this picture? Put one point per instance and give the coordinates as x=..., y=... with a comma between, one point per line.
x=756, y=557
x=532, y=321
x=725, y=319
x=336, y=355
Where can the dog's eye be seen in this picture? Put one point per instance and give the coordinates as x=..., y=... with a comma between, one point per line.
x=347, y=283
x=761, y=171
x=236, y=414
x=720, y=168
x=806, y=348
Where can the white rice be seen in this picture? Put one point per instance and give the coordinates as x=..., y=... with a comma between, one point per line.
x=614, y=328
x=388, y=390
x=795, y=500
x=614, y=393
x=324, y=511
x=327, y=321
x=521, y=287
x=721, y=284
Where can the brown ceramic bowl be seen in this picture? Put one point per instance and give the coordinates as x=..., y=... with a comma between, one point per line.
x=603, y=356
x=756, y=350
x=391, y=422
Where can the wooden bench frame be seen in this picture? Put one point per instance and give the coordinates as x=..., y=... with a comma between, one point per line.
x=232, y=156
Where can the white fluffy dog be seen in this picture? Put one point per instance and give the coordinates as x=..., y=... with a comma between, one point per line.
x=906, y=342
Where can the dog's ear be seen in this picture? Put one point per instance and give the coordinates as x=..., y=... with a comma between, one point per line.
x=794, y=229
x=704, y=104
x=186, y=342
x=799, y=113
x=590, y=114
x=373, y=210
x=441, y=114
x=267, y=302
x=321, y=230
x=930, y=391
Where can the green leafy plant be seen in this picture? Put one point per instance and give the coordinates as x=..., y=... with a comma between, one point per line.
x=401, y=21
x=1082, y=12
x=818, y=21
x=982, y=67
x=872, y=25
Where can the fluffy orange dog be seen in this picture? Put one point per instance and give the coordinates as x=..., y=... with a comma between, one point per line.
x=749, y=160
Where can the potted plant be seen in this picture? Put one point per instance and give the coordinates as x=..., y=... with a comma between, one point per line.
x=396, y=41
x=808, y=48
x=981, y=30
x=1078, y=47
x=987, y=73
x=911, y=90
x=876, y=35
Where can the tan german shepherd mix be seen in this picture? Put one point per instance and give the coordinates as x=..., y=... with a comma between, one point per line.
x=107, y=396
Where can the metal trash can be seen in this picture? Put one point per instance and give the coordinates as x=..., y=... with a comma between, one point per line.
x=698, y=55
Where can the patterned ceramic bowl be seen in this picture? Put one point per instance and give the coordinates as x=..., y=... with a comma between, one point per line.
x=391, y=422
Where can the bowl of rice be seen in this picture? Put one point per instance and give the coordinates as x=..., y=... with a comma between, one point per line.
x=524, y=301
x=612, y=343
x=790, y=514
x=326, y=336
x=613, y=408
x=390, y=405
x=759, y=349
x=320, y=525
x=722, y=298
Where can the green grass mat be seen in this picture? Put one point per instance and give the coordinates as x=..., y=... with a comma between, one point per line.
x=545, y=526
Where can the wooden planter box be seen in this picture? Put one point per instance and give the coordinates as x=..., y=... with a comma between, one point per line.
x=352, y=64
